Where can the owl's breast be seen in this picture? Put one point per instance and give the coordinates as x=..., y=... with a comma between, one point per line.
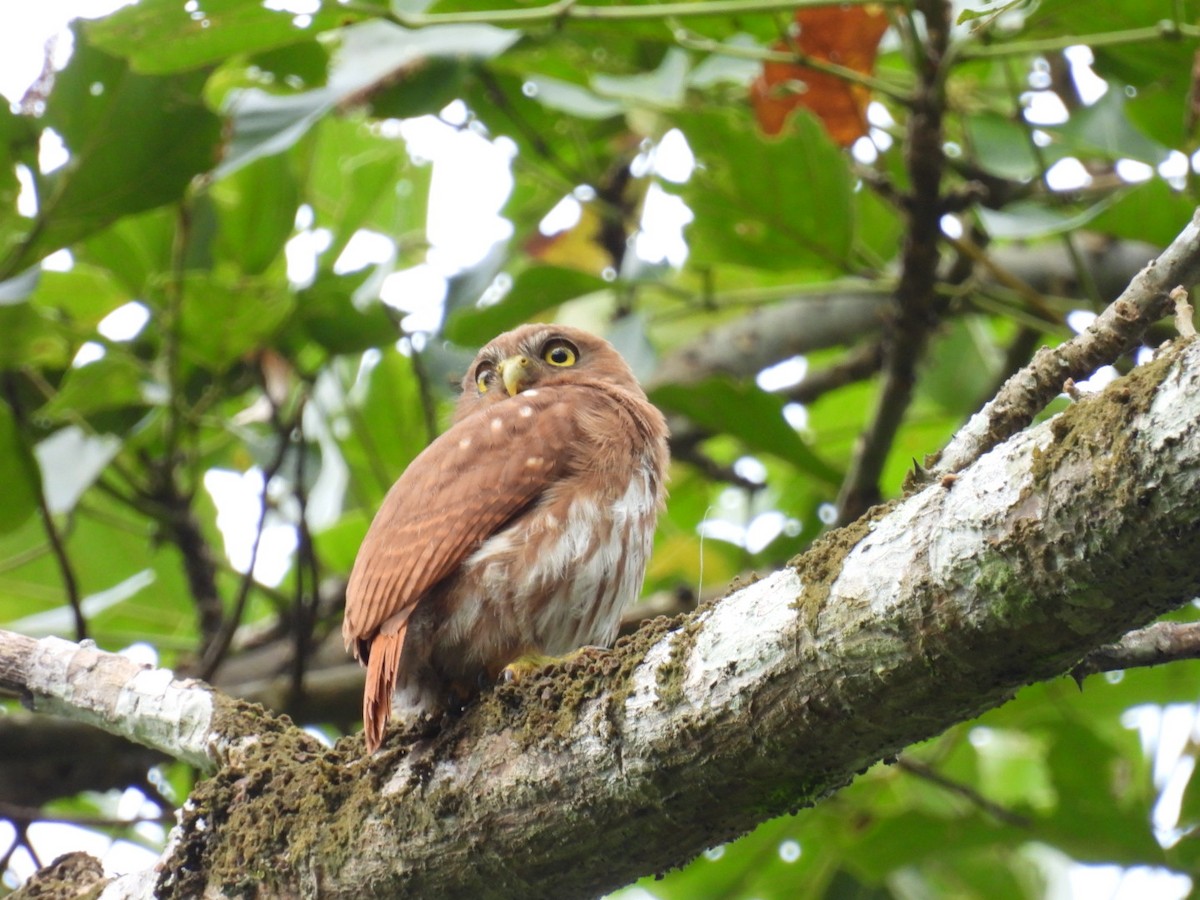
x=556, y=578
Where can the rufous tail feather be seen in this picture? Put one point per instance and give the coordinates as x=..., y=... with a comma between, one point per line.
x=381, y=682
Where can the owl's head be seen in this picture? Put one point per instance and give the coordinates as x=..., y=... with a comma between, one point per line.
x=541, y=355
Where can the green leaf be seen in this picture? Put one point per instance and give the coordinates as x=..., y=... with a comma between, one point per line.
x=1153, y=212
x=159, y=36
x=534, y=291
x=664, y=87
x=70, y=461
x=360, y=179
x=427, y=86
x=134, y=250
x=81, y=297
x=749, y=414
x=256, y=208
x=372, y=53
x=1002, y=146
x=1104, y=130
x=115, y=381
x=766, y=203
x=29, y=339
x=1025, y=220
x=962, y=363
x=222, y=320
x=327, y=314
x=386, y=427
x=18, y=474
x=136, y=142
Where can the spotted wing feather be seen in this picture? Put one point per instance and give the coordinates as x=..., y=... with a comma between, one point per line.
x=457, y=493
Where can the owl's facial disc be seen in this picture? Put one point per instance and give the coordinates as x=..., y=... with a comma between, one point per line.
x=516, y=372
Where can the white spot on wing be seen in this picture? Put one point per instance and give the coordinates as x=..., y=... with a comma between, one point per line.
x=530, y=393
x=464, y=444
x=497, y=424
x=526, y=412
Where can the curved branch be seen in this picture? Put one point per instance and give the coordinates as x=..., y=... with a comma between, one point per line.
x=1154, y=645
x=1146, y=300
x=1062, y=539
x=184, y=719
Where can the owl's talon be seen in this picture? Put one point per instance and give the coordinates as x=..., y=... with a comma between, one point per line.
x=525, y=665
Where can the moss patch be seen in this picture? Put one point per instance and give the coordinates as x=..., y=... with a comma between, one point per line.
x=547, y=702
x=819, y=566
x=284, y=802
x=1099, y=426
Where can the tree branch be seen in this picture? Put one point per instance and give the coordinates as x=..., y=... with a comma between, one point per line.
x=1162, y=642
x=1118, y=328
x=916, y=307
x=184, y=719
x=588, y=774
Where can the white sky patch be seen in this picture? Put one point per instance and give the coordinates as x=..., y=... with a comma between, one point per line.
x=797, y=416
x=302, y=251
x=673, y=158
x=125, y=322
x=785, y=374
x=1101, y=378
x=864, y=151
x=88, y=352
x=27, y=196
x=365, y=248
x=1044, y=108
x=59, y=261
x=472, y=179
x=1175, y=169
x=563, y=215
x=751, y=469
x=1132, y=171
x=418, y=291
x=664, y=216
x=26, y=27
x=763, y=529
x=951, y=226
x=296, y=7
x=1091, y=87
x=1067, y=175
x=52, y=152
x=1079, y=320
x=237, y=496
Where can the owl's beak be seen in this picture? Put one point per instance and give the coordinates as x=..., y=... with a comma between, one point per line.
x=516, y=373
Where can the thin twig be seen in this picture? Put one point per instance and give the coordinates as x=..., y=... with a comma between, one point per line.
x=33, y=476
x=998, y=812
x=858, y=364
x=915, y=299
x=215, y=651
x=1154, y=645
x=1118, y=328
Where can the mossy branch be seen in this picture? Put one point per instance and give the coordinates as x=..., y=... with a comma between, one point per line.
x=927, y=613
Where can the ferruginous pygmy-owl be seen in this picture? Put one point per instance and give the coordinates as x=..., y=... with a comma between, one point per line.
x=523, y=529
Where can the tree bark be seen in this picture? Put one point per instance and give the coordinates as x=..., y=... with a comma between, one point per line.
x=925, y=613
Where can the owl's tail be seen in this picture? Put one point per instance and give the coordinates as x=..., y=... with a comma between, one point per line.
x=382, y=666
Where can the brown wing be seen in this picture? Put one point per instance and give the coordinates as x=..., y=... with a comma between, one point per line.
x=458, y=492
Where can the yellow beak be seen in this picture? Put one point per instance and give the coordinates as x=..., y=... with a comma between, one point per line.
x=515, y=371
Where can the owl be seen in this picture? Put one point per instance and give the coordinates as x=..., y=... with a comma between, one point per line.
x=523, y=529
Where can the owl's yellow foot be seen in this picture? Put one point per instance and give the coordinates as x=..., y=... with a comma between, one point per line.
x=528, y=663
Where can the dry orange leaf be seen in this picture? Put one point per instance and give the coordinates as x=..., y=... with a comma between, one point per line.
x=845, y=35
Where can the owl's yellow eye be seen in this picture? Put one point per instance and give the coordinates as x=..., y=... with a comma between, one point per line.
x=483, y=377
x=560, y=353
